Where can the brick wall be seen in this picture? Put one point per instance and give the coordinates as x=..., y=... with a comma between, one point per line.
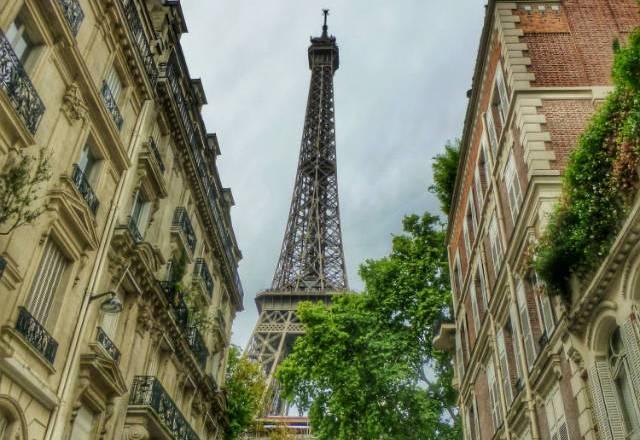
x=566, y=120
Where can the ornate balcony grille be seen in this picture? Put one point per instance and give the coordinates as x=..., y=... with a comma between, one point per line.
x=82, y=185
x=3, y=265
x=106, y=343
x=135, y=232
x=142, y=44
x=183, y=223
x=112, y=106
x=16, y=84
x=36, y=335
x=148, y=391
x=201, y=273
x=176, y=299
x=156, y=153
x=198, y=347
x=73, y=13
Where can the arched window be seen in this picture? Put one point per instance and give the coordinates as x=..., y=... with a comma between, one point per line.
x=621, y=374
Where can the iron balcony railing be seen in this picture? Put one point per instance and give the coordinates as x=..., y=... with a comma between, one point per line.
x=72, y=13
x=106, y=343
x=112, y=105
x=134, y=231
x=36, y=335
x=148, y=391
x=182, y=222
x=201, y=273
x=140, y=38
x=156, y=153
x=176, y=299
x=198, y=347
x=19, y=89
x=84, y=188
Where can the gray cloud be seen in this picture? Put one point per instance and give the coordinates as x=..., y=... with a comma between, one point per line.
x=400, y=94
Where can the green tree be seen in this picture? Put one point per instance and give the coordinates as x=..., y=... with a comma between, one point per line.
x=20, y=182
x=445, y=169
x=366, y=368
x=245, y=386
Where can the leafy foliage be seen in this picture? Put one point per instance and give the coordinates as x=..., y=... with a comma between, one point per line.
x=20, y=183
x=366, y=367
x=245, y=385
x=599, y=182
x=445, y=169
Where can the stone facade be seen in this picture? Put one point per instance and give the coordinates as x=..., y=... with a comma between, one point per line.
x=134, y=200
x=529, y=366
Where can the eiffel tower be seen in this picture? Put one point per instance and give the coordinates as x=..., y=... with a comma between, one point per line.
x=311, y=265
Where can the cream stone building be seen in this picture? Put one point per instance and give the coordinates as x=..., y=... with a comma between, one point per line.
x=531, y=366
x=98, y=339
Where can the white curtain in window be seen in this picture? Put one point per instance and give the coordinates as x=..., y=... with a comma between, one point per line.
x=46, y=281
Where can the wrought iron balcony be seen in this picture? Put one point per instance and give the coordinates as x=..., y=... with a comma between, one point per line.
x=73, y=13
x=176, y=299
x=140, y=38
x=3, y=265
x=133, y=229
x=16, y=84
x=106, y=343
x=182, y=223
x=156, y=153
x=112, y=105
x=36, y=335
x=82, y=185
x=148, y=391
x=198, y=347
x=201, y=274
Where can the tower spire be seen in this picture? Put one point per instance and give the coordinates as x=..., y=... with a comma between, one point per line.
x=324, y=26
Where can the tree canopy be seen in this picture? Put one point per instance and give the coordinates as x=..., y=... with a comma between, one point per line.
x=366, y=367
x=245, y=385
x=445, y=169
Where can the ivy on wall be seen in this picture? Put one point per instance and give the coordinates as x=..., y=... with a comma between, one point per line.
x=599, y=183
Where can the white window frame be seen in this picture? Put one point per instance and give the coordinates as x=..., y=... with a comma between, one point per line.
x=514, y=191
x=483, y=284
x=525, y=323
x=502, y=92
x=474, y=217
x=458, y=274
x=515, y=340
x=495, y=245
x=494, y=394
x=474, y=307
x=467, y=239
x=545, y=308
x=504, y=366
x=492, y=133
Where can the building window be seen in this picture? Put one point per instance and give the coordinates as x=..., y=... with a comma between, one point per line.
x=114, y=83
x=514, y=191
x=494, y=243
x=494, y=395
x=83, y=424
x=482, y=285
x=556, y=420
x=491, y=132
x=467, y=240
x=525, y=322
x=515, y=341
x=19, y=38
x=457, y=275
x=543, y=303
x=474, y=307
x=501, y=90
x=504, y=366
x=472, y=217
x=140, y=214
x=87, y=162
x=459, y=356
x=473, y=425
x=46, y=282
x=622, y=373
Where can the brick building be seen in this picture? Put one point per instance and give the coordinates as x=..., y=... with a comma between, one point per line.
x=529, y=366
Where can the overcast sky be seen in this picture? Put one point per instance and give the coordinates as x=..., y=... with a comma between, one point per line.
x=405, y=66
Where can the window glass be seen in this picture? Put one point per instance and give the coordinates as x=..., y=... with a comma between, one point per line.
x=46, y=282
x=87, y=161
x=19, y=39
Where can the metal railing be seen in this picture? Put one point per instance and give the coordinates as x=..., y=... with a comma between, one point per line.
x=19, y=89
x=84, y=188
x=140, y=38
x=183, y=223
x=73, y=13
x=176, y=299
x=156, y=153
x=112, y=105
x=201, y=273
x=148, y=391
x=106, y=343
x=132, y=224
x=36, y=335
x=198, y=347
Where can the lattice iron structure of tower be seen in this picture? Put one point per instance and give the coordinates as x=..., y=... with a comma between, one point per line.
x=311, y=266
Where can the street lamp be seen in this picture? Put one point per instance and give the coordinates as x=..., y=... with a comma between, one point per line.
x=111, y=304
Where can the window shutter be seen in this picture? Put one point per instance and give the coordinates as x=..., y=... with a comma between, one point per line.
x=504, y=366
x=46, y=281
x=629, y=333
x=114, y=83
x=494, y=394
x=605, y=402
x=459, y=358
x=467, y=242
x=483, y=285
x=502, y=91
x=496, y=251
x=547, y=313
x=527, y=334
x=474, y=308
x=516, y=341
x=478, y=187
x=513, y=187
x=476, y=419
x=491, y=130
